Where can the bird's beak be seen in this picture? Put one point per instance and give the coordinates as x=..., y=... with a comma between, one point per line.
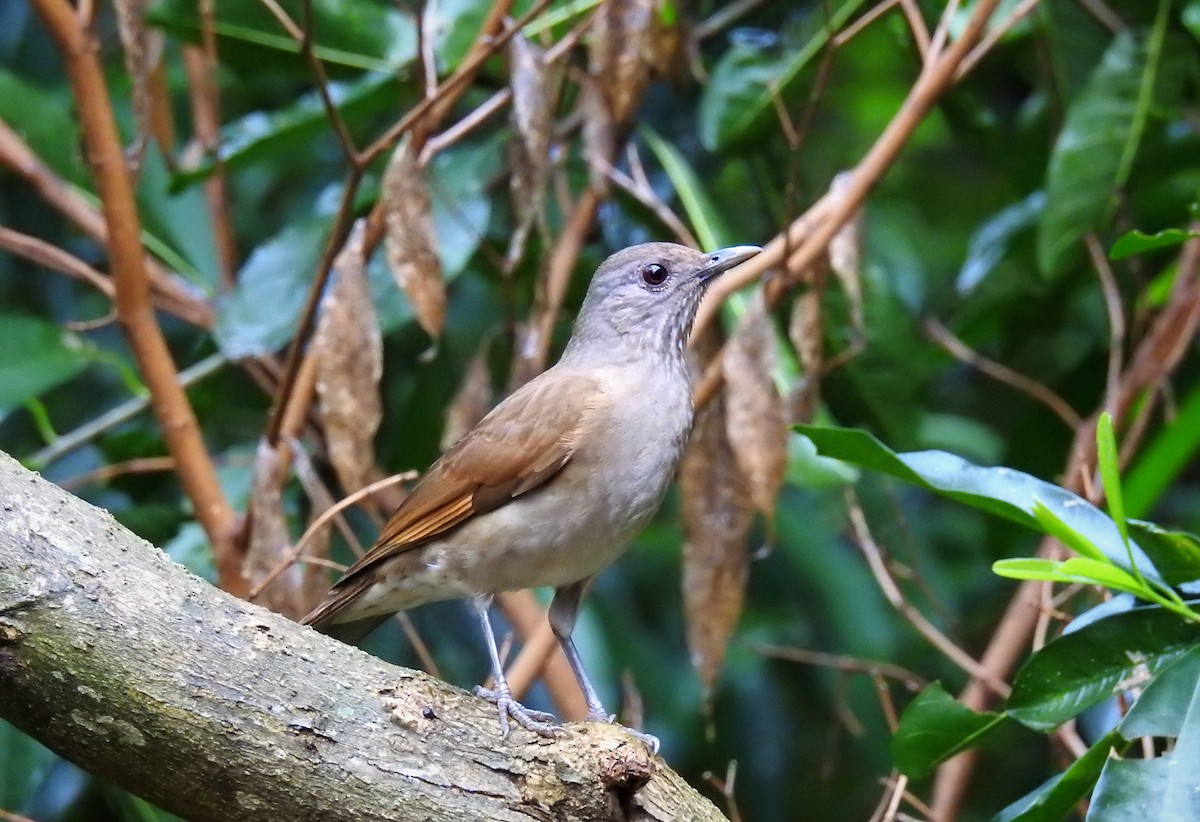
x=726, y=258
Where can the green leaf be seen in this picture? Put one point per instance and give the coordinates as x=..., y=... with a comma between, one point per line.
x=1002, y=491
x=1064, y=533
x=1162, y=707
x=739, y=94
x=1165, y=787
x=357, y=34
x=1165, y=456
x=1027, y=568
x=1057, y=796
x=1110, y=472
x=46, y=124
x=1176, y=554
x=1094, y=151
x=260, y=135
x=991, y=241
x=1076, y=569
x=1135, y=242
x=1079, y=669
x=934, y=727
x=260, y=314
x=38, y=355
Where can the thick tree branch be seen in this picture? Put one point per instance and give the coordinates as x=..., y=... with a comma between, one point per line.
x=217, y=709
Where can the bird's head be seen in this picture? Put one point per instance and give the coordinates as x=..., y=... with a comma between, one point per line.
x=647, y=295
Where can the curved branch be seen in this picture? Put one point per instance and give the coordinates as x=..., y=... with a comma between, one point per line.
x=214, y=708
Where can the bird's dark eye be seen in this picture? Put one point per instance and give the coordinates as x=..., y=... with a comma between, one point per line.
x=654, y=274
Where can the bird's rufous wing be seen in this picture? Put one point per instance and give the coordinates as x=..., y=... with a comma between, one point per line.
x=520, y=445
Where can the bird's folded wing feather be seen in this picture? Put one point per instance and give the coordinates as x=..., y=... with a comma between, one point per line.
x=524, y=442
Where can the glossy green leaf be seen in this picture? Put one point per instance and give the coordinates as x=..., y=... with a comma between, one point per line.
x=1054, y=799
x=1162, y=707
x=991, y=241
x=934, y=727
x=1064, y=533
x=1077, y=569
x=1176, y=554
x=1166, y=787
x=1080, y=669
x=738, y=97
x=357, y=34
x=38, y=355
x=1094, y=151
x=1135, y=242
x=260, y=314
x=261, y=134
x=1002, y=491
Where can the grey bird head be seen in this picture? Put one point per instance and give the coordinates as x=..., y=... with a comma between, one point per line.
x=647, y=296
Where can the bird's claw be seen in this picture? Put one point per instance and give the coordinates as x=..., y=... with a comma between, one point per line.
x=596, y=713
x=540, y=722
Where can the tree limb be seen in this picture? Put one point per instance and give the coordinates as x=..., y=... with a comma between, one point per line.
x=214, y=708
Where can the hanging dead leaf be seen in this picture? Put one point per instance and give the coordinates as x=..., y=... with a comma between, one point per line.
x=269, y=544
x=410, y=243
x=807, y=336
x=534, y=91
x=845, y=252
x=717, y=515
x=755, y=416
x=349, y=357
x=628, y=41
x=471, y=402
x=143, y=60
x=314, y=577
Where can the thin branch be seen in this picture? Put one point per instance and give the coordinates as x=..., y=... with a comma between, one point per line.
x=139, y=465
x=135, y=313
x=1001, y=373
x=891, y=591
x=51, y=256
x=1116, y=319
x=851, y=664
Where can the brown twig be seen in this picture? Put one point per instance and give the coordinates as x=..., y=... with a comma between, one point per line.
x=851, y=664
x=56, y=259
x=139, y=465
x=175, y=295
x=893, y=594
x=1001, y=373
x=135, y=312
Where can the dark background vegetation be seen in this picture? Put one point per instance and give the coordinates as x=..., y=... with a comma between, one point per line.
x=1077, y=124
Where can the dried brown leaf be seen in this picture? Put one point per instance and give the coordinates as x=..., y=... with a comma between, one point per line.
x=143, y=60
x=534, y=91
x=845, y=252
x=806, y=334
x=717, y=514
x=349, y=357
x=410, y=243
x=269, y=542
x=755, y=416
x=626, y=44
x=471, y=402
x=315, y=579
x=599, y=133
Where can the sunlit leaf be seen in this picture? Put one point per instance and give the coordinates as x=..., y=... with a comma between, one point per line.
x=1002, y=491
x=934, y=727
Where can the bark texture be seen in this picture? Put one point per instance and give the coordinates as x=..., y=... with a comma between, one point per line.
x=213, y=708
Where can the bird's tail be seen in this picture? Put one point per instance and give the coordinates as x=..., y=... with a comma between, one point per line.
x=325, y=617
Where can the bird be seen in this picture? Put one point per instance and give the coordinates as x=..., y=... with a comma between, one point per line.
x=554, y=483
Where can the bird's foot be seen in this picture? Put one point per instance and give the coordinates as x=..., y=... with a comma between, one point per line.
x=596, y=713
x=539, y=722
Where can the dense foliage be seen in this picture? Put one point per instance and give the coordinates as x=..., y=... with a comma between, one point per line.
x=1024, y=259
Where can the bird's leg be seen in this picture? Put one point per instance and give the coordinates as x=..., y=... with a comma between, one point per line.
x=539, y=722
x=564, y=610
